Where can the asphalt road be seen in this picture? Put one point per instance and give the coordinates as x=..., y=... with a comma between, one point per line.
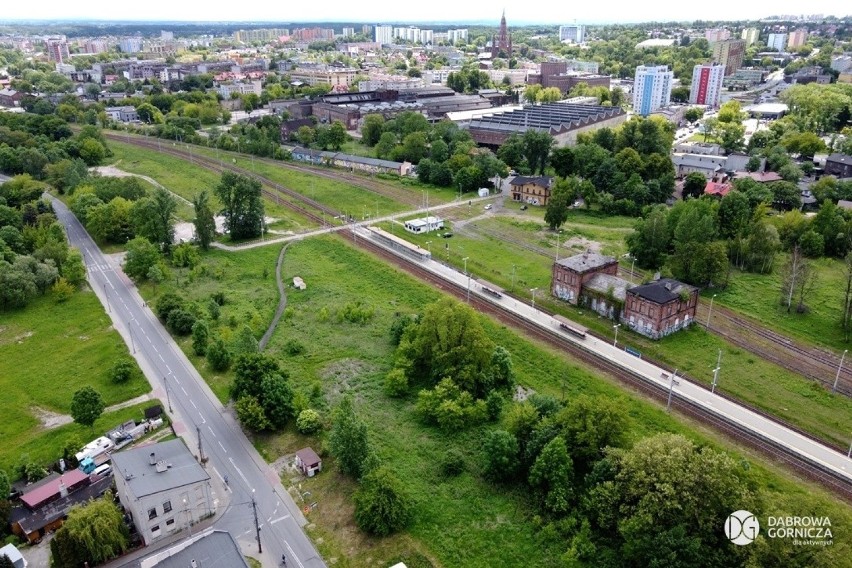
x=194, y=409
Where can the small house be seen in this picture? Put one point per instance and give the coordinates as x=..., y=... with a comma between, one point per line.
x=532, y=190
x=424, y=225
x=660, y=307
x=308, y=462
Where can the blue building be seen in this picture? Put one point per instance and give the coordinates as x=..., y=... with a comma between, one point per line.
x=652, y=88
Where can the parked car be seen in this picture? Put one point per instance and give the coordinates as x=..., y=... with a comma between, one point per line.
x=523, y=207
x=446, y=235
x=487, y=207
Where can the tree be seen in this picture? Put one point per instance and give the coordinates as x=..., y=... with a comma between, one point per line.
x=218, y=355
x=382, y=505
x=562, y=160
x=348, y=440
x=17, y=285
x=386, y=144
x=92, y=152
x=245, y=342
x=500, y=452
x=152, y=218
x=693, y=185
x=734, y=214
x=537, y=147
x=243, y=206
x=797, y=279
x=336, y=135
x=276, y=398
x=561, y=197
x=305, y=135
x=94, y=534
x=589, y=426
x=200, y=336
x=414, y=147
x=731, y=136
x=551, y=476
x=308, y=422
x=371, y=129
x=141, y=256
x=86, y=406
x=846, y=320
x=250, y=414
x=205, y=224
x=693, y=113
x=650, y=241
x=753, y=164
x=122, y=370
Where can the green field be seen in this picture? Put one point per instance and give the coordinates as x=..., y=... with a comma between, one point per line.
x=47, y=352
x=458, y=521
x=187, y=179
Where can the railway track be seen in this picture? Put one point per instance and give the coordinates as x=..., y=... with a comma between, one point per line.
x=776, y=452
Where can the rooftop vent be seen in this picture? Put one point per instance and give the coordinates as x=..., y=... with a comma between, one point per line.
x=152, y=459
x=162, y=466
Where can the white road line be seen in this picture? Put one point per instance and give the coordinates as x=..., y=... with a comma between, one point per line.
x=184, y=391
x=223, y=447
x=279, y=519
x=212, y=432
x=169, y=369
x=144, y=332
x=161, y=357
x=192, y=402
x=239, y=471
x=203, y=421
x=149, y=340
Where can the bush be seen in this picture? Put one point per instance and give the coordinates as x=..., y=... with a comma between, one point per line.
x=200, y=337
x=167, y=303
x=398, y=328
x=213, y=310
x=180, y=321
x=382, y=505
x=251, y=414
x=293, y=347
x=452, y=463
x=62, y=290
x=308, y=421
x=356, y=312
x=122, y=371
x=494, y=405
x=219, y=298
x=396, y=383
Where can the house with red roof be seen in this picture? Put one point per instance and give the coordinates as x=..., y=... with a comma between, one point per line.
x=717, y=189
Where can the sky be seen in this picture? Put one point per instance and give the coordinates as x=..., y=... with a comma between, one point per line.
x=439, y=11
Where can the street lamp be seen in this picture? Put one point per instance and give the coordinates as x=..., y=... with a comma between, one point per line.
x=672, y=383
x=468, y=278
x=840, y=366
x=533, y=290
x=615, y=341
x=710, y=312
x=429, y=246
x=716, y=372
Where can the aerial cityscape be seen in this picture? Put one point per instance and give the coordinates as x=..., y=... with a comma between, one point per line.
x=426, y=287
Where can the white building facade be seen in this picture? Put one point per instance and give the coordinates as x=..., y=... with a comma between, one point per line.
x=652, y=88
x=777, y=42
x=575, y=33
x=706, y=88
x=384, y=35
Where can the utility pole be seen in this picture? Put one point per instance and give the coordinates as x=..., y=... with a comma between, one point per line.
x=839, y=367
x=533, y=290
x=256, y=525
x=671, y=388
x=200, y=448
x=710, y=312
x=716, y=372
x=168, y=397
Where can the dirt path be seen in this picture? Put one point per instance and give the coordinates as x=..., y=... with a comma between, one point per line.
x=113, y=171
x=282, y=301
x=50, y=420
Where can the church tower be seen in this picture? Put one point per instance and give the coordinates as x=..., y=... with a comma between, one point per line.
x=503, y=41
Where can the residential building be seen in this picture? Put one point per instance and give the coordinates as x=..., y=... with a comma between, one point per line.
x=660, y=308
x=57, y=50
x=575, y=33
x=805, y=75
x=841, y=63
x=797, y=38
x=750, y=36
x=652, y=88
x=96, y=46
x=163, y=488
x=247, y=88
x=708, y=165
x=706, y=88
x=778, y=42
x=130, y=44
x=534, y=190
x=839, y=165
x=571, y=274
x=384, y=35
x=717, y=34
x=457, y=36
x=261, y=35
x=561, y=120
x=424, y=225
x=210, y=547
x=366, y=29
x=10, y=98
x=744, y=78
x=348, y=32
x=334, y=76
x=556, y=74
x=167, y=36
x=122, y=113
x=312, y=34
x=716, y=189
x=729, y=53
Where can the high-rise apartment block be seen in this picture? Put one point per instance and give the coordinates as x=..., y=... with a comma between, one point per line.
x=750, y=36
x=457, y=36
x=797, y=38
x=130, y=44
x=778, y=42
x=574, y=33
x=57, y=50
x=652, y=88
x=717, y=34
x=384, y=35
x=729, y=53
x=706, y=88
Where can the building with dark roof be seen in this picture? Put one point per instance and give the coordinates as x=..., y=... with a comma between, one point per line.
x=163, y=488
x=556, y=74
x=534, y=190
x=838, y=165
x=571, y=274
x=660, y=308
x=208, y=549
x=562, y=121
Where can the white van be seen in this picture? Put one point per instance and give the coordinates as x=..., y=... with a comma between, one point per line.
x=103, y=470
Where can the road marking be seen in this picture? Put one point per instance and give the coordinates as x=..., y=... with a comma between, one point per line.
x=221, y=446
x=239, y=471
x=144, y=332
x=203, y=421
x=184, y=391
x=192, y=402
x=279, y=519
x=161, y=357
x=212, y=432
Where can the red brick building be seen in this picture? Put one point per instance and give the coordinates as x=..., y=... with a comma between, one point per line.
x=572, y=273
x=659, y=308
x=532, y=190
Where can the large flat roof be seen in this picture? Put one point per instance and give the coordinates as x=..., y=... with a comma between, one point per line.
x=175, y=466
x=585, y=261
x=550, y=116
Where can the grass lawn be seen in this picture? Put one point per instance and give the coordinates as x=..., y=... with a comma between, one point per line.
x=355, y=148
x=759, y=295
x=186, y=180
x=47, y=352
x=460, y=520
x=744, y=375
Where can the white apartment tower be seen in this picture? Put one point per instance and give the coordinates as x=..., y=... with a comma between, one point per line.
x=652, y=88
x=384, y=35
x=575, y=33
x=750, y=35
x=706, y=88
x=777, y=41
